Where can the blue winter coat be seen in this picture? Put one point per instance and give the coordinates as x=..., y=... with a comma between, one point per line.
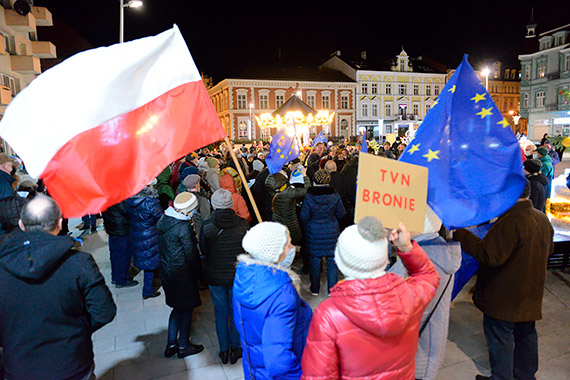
x=319, y=217
x=271, y=318
x=144, y=212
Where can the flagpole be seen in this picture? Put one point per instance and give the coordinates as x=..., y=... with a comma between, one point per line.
x=243, y=179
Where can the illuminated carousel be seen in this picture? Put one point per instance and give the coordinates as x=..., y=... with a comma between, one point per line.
x=297, y=111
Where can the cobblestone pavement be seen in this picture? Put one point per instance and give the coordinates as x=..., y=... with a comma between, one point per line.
x=131, y=346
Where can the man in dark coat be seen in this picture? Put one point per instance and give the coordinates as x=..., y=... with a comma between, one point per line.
x=538, y=183
x=341, y=186
x=118, y=227
x=7, y=171
x=510, y=285
x=220, y=242
x=53, y=299
x=262, y=195
x=180, y=269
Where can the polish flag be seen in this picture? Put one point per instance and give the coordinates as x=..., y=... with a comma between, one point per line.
x=102, y=124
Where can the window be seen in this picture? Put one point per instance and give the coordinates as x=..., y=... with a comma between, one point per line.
x=241, y=101
x=374, y=110
x=402, y=65
x=242, y=129
x=364, y=88
x=428, y=90
x=311, y=100
x=428, y=106
x=23, y=49
x=436, y=90
x=365, y=110
x=344, y=102
x=279, y=100
x=416, y=109
x=527, y=72
x=263, y=101
x=326, y=101
x=559, y=40
x=388, y=128
x=541, y=70
x=567, y=63
x=402, y=89
x=513, y=73
x=416, y=89
x=8, y=81
x=374, y=88
x=388, y=109
x=540, y=99
x=388, y=89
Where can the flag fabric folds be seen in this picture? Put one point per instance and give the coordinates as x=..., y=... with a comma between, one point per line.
x=473, y=157
x=283, y=149
x=320, y=139
x=106, y=121
x=364, y=146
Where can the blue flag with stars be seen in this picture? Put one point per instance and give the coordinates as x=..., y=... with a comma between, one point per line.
x=364, y=146
x=283, y=149
x=473, y=157
x=320, y=139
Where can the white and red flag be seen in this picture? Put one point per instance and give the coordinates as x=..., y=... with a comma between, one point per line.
x=102, y=124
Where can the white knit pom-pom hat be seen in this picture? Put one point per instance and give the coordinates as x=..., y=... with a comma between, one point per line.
x=362, y=250
x=265, y=241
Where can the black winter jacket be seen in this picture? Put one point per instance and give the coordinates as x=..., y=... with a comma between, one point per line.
x=10, y=209
x=116, y=220
x=53, y=299
x=180, y=265
x=284, y=209
x=220, y=241
x=538, y=186
x=262, y=195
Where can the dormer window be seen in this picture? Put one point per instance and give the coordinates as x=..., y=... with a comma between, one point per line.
x=545, y=42
x=402, y=65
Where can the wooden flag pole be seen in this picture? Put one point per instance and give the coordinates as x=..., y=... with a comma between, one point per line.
x=243, y=179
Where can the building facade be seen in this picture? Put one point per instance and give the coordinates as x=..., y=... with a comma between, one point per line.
x=238, y=101
x=394, y=98
x=20, y=50
x=545, y=74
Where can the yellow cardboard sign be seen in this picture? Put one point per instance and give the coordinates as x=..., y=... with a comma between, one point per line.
x=391, y=137
x=391, y=191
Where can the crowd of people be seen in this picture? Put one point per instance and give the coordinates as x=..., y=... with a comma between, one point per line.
x=195, y=228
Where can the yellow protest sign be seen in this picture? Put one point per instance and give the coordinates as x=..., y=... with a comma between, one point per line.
x=391, y=137
x=391, y=191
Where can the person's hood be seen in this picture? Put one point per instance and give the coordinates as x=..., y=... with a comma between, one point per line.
x=227, y=182
x=170, y=211
x=538, y=178
x=32, y=255
x=546, y=158
x=166, y=222
x=447, y=256
x=322, y=195
x=380, y=306
x=276, y=181
x=256, y=280
x=225, y=218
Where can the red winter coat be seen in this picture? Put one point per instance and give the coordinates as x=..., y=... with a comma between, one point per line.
x=368, y=329
x=240, y=207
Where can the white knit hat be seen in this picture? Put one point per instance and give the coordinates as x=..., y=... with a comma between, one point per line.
x=432, y=222
x=265, y=241
x=362, y=250
x=185, y=201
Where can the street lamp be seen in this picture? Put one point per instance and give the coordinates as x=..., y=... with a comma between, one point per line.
x=250, y=127
x=486, y=73
x=129, y=4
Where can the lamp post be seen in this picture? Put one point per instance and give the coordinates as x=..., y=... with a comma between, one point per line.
x=250, y=124
x=486, y=73
x=129, y=4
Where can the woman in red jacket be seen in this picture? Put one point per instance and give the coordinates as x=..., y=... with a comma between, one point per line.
x=368, y=328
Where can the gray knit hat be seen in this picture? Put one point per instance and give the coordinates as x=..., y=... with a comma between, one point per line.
x=362, y=250
x=191, y=181
x=222, y=199
x=265, y=241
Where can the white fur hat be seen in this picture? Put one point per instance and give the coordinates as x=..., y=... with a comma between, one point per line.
x=265, y=241
x=362, y=250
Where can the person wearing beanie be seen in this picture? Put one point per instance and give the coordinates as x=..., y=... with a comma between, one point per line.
x=369, y=327
x=435, y=326
x=220, y=242
x=230, y=198
x=509, y=290
x=538, y=183
x=144, y=211
x=213, y=173
x=193, y=184
x=321, y=210
x=283, y=199
x=180, y=271
x=547, y=169
x=257, y=167
x=271, y=318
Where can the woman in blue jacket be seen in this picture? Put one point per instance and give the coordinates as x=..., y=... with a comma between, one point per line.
x=320, y=213
x=270, y=316
x=144, y=211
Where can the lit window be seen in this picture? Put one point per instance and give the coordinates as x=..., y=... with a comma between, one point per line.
x=541, y=69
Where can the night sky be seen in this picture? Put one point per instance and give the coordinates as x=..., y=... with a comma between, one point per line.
x=225, y=36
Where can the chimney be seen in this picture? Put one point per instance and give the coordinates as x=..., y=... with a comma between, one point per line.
x=363, y=55
x=335, y=53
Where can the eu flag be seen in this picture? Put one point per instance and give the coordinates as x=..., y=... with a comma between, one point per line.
x=284, y=148
x=320, y=139
x=364, y=146
x=473, y=157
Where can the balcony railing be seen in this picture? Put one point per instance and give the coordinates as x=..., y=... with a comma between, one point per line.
x=43, y=16
x=20, y=23
x=43, y=49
